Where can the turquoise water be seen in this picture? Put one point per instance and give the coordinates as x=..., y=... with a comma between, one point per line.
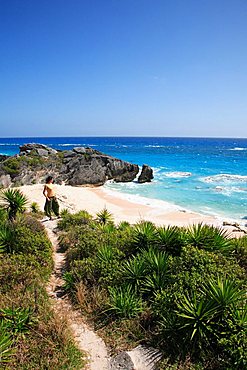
x=200, y=174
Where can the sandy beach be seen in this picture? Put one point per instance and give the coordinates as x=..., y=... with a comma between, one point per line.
x=95, y=199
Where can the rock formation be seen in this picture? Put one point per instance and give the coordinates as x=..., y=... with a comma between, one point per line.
x=146, y=174
x=80, y=166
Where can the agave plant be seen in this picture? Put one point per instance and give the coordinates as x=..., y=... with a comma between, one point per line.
x=134, y=271
x=223, y=293
x=104, y=216
x=107, y=227
x=157, y=266
x=197, y=318
x=171, y=239
x=17, y=320
x=210, y=238
x=124, y=302
x=35, y=207
x=6, y=345
x=105, y=254
x=13, y=201
x=7, y=239
x=144, y=234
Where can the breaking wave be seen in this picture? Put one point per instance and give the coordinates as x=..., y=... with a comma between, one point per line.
x=224, y=177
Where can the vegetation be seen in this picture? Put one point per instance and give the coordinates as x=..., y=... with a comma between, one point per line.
x=179, y=290
x=31, y=337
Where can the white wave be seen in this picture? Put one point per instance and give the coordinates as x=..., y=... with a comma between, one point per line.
x=224, y=177
x=229, y=190
x=238, y=148
x=177, y=174
x=9, y=144
x=136, y=198
x=154, y=146
x=77, y=145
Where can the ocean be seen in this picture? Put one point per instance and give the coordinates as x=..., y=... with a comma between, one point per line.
x=205, y=175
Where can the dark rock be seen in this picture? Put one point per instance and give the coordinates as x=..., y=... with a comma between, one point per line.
x=80, y=166
x=121, y=362
x=146, y=174
x=3, y=157
x=39, y=149
x=79, y=150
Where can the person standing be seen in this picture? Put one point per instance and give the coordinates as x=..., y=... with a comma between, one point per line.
x=51, y=203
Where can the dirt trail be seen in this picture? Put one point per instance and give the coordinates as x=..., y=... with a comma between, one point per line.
x=86, y=339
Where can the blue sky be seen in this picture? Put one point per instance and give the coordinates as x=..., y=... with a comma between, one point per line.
x=123, y=67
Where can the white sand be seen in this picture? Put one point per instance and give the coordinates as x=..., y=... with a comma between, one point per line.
x=95, y=199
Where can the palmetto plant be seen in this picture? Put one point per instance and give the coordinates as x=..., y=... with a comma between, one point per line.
x=157, y=267
x=7, y=239
x=223, y=293
x=6, y=345
x=197, y=318
x=144, y=234
x=134, y=271
x=105, y=254
x=13, y=201
x=35, y=207
x=124, y=302
x=171, y=239
x=209, y=237
x=104, y=216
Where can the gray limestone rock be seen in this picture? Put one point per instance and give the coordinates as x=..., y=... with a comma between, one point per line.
x=80, y=166
x=146, y=174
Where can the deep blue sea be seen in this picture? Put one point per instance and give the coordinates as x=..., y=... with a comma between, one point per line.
x=200, y=174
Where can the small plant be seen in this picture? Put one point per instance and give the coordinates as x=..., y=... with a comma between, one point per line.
x=144, y=234
x=17, y=320
x=124, y=302
x=7, y=239
x=210, y=238
x=134, y=271
x=35, y=207
x=171, y=239
x=104, y=217
x=13, y=201
x=6, y=345
x=64, y=212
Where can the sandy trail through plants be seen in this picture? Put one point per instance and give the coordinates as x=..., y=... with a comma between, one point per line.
x=85, y=338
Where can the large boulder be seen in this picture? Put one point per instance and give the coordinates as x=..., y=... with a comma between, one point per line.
x=80, y=166
x=146, y=174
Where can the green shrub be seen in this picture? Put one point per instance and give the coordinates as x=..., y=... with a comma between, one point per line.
x=70, y=220
x=124, y=302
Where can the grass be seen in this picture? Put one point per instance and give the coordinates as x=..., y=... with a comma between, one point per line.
x=32, y=335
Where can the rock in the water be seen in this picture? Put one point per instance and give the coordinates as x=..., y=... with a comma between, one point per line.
x=146, y=174
x=80, y=166
x=39, y=149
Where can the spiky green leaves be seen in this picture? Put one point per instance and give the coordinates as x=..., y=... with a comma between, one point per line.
x=13, y=201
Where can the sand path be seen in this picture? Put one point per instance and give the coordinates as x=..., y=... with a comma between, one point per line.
x=86, y=339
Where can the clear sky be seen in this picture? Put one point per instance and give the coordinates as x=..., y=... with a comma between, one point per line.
x=123, y=68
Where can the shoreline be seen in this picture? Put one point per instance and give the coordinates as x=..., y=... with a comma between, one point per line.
x=95, y=199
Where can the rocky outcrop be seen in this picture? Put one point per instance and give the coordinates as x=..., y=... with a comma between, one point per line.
x=146, y=174
x=139, y=358
x=80, y=166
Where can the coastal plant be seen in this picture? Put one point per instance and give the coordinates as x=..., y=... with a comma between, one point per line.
x=171, y=239
x=7, y=238
x=13, y=201
x=104, y=216
x=134, y=271
x=71, y=220
x=209, y=237
x=34, y=207
x=17, y=320
x=223, y=293
x=124, y=302
x=197, y=320
x=6, y=345
x=144, y=234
